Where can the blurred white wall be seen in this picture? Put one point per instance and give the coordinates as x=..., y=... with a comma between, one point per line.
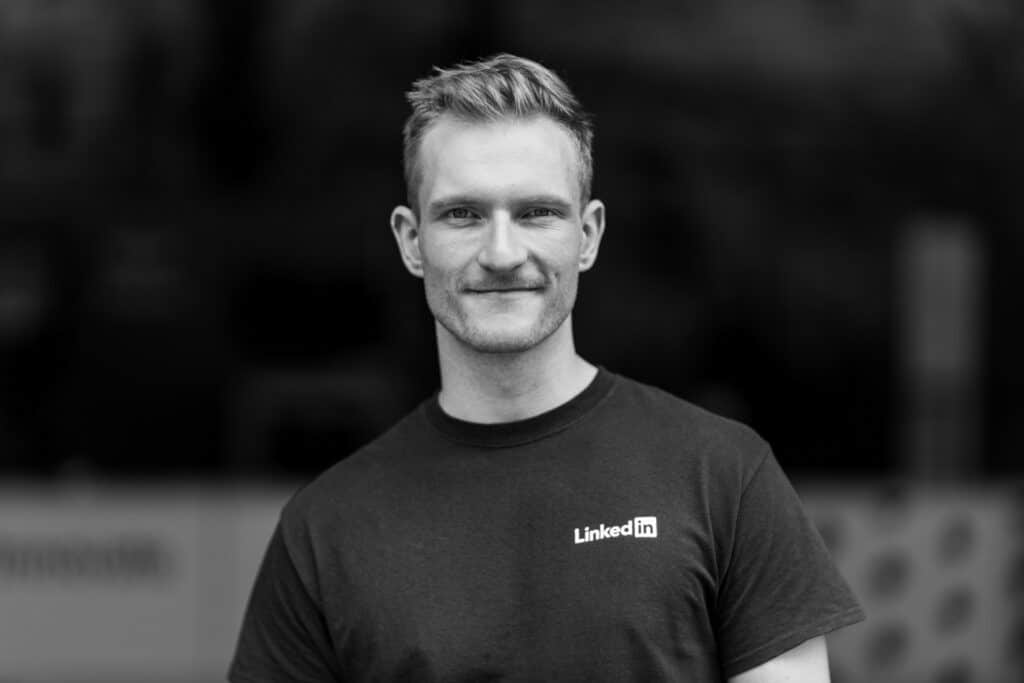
x=122, y=583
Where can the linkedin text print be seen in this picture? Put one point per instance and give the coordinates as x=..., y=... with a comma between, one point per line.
x=638, y=527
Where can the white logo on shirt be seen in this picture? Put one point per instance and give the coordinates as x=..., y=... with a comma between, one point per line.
x=638, y=527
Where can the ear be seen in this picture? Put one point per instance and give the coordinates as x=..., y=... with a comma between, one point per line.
x=406, y=229
x=593, y=230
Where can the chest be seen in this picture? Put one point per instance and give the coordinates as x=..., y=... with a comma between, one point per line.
x=463, y=573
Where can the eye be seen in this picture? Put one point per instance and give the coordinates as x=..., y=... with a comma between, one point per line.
x=460, y=213
x=541, y=212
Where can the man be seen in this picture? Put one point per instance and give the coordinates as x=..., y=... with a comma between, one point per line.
x=539, y=518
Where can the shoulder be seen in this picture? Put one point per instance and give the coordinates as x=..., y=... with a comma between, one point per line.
x=359, y=480
x=715, y=442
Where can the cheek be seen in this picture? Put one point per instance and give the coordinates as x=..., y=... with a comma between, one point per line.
x=563, y=257
x=561, y=246
x=433, y=278
x=441, y=280
x=437, y=261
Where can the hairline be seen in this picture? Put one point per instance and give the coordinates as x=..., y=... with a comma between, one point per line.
x=415, y=180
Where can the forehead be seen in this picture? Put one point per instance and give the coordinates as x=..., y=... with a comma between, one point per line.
x=494, y=158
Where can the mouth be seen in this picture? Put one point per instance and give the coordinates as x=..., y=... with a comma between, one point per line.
x=503, y=290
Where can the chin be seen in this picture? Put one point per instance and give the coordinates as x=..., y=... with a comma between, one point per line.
x=507, y=336
x=501, y=341
x=500, y=334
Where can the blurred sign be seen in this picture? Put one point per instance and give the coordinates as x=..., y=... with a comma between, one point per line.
x=126, y=585
x=943, y=270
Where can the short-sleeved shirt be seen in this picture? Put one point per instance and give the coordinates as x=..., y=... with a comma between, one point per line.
x=626, y=535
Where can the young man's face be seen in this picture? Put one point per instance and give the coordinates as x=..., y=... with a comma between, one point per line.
x=501, y=237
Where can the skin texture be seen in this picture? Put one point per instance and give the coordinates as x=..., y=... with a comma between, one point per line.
x=805, y=663
x=500, y=238
x=500, y=234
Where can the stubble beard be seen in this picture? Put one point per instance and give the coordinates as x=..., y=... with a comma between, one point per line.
x=454, y=317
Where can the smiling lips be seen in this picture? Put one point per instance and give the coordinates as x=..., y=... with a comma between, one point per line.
x=500, y=289
x=502, y=292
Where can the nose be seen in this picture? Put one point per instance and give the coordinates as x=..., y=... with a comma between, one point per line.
x=502, y=248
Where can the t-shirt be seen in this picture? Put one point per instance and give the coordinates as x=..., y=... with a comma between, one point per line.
x=626, y=535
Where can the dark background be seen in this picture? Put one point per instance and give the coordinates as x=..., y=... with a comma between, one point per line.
x=197, y=277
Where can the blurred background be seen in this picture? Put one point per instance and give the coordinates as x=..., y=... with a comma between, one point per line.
x=815, y=227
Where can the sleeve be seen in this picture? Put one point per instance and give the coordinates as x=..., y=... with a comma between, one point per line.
x=284, y=637
x=779, y=586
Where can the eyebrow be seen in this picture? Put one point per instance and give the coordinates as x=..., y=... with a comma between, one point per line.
x=531, y=200
x=454, y=200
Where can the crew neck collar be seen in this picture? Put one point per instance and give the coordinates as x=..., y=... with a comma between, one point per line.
x=518, y=432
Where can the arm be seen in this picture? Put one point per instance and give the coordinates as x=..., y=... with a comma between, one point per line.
x=779, y=588
x=284, y=636
x=805, y=663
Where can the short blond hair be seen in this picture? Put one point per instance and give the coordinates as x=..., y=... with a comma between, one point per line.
x=502, y=86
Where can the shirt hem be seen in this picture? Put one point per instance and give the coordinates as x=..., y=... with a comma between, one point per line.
x=237, y=675
x=788, y=641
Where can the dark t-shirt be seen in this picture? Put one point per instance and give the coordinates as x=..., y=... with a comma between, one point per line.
x=626, y=535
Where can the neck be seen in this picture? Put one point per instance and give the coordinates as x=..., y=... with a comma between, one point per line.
x=504, y=387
